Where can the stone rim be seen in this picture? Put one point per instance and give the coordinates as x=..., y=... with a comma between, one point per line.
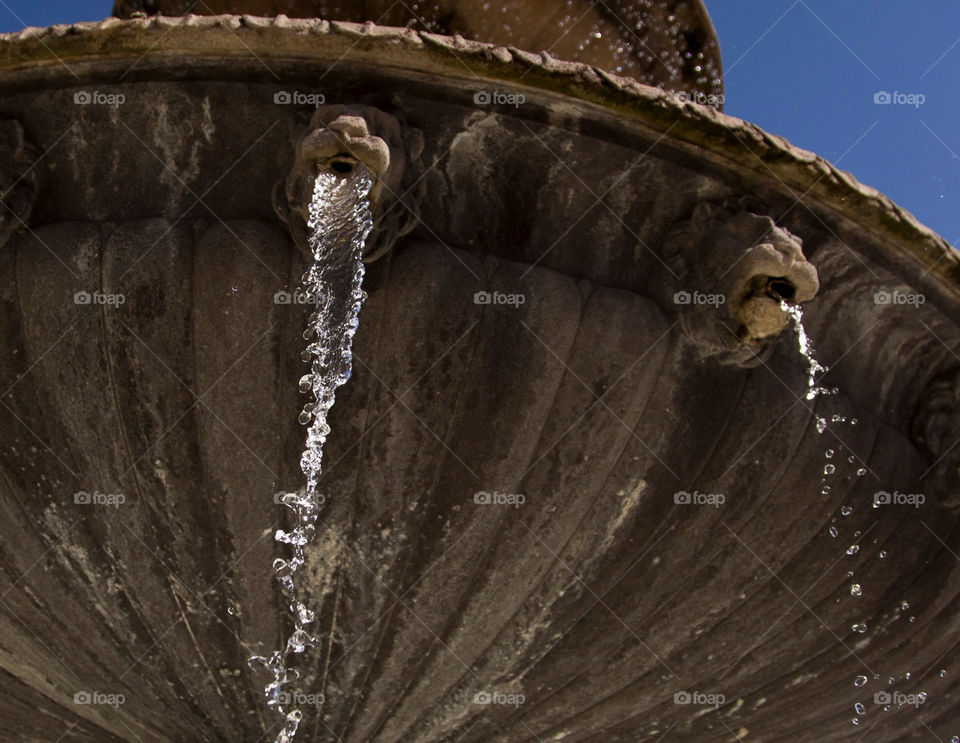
x=155, y=42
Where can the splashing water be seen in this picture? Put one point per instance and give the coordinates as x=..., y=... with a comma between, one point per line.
x=814, y=367
x=814, y=390
x=339, y=222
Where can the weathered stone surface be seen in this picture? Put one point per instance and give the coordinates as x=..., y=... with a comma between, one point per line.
x=601, y=596
x=668, y=43
x=19, y=184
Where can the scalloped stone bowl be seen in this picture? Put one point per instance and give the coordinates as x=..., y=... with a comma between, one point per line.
x=553, y=513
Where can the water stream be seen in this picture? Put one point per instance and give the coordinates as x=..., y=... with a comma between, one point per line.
x=816, y=371
x=340, y=220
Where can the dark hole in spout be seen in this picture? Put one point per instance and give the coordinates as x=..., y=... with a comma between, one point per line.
x=780, y=288
x=343, y=164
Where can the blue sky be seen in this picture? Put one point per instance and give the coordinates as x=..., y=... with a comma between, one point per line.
x=807, y=70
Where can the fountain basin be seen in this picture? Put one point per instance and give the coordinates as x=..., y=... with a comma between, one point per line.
x=523, y=338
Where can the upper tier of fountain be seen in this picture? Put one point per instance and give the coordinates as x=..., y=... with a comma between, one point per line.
x=665, y=43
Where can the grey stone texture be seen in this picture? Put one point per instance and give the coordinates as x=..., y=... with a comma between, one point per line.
x=599, y=598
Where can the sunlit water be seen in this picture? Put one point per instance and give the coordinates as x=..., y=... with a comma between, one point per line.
x=815, y=372
x=339, y=222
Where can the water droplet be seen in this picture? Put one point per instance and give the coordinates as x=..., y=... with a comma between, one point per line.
x=904, y=605
x=829, y=469
x=859, y=708
x=860, y=681
x=304, y=614
x=853, y=549
x=883, y=554
x=907, y=675
x=856, y=590
x=834, y=532
x=855, y=720
x=943, y=673
x=861, y=472
x=306, y=383
x=846, y=510
x=299, y=641
x=922, y=697
x=829, y=453
x=912, y=619
x=859, y=627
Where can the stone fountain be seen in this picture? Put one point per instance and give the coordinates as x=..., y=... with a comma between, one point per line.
x=578, y=488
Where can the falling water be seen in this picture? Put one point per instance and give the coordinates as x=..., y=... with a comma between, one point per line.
x=814, y=367
x=339, y=223
x=814, y=390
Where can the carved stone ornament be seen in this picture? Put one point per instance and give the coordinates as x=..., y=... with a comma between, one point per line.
x=733, y=269
x=340, y=137
x=19, y=180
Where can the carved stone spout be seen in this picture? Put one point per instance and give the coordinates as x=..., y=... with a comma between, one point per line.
x=734, y=270
x=342, y=137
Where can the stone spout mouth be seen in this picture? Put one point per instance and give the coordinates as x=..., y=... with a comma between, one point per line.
x=340, y=139
x=749, y=269
x=769, y=275
x=342, y=145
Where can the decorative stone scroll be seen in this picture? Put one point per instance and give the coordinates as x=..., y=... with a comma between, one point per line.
x=19, y=180
x=936, y=430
